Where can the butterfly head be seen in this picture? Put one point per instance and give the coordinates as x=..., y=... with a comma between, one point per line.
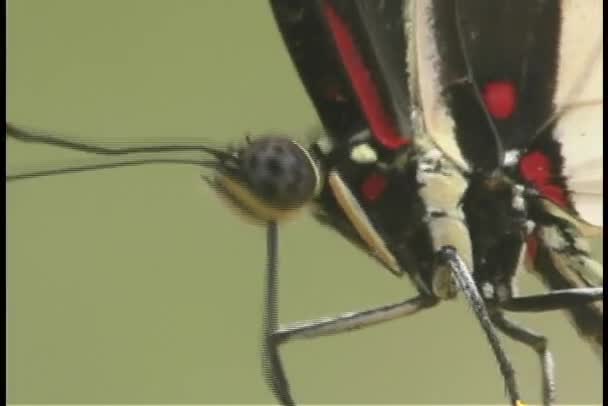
x=269, y=178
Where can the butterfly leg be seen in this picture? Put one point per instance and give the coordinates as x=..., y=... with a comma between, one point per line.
x=275, y=372
x=271, y=358
x=330, y=326
x=555, y=300
x=352, y=320
x=449, y=257
x=535, y=341
x=274, y=335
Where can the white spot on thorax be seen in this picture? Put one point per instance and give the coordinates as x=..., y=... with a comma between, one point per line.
x=511, y=157
x=325, y=144
x=487, y=290
x=503, y=293
x=518, y=201
x=363, y=154
x=530, y=225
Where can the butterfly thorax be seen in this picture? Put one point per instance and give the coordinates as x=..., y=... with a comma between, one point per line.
x=400, y=207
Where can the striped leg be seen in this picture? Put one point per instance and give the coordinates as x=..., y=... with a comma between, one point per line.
x=274, y=335
x=538, y=343
x=555, y=300
x=353, y=320
x=271, y=358
x=275, y=373
x=449, y=256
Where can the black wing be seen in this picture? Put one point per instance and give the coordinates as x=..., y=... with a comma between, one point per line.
x=351, y=58
x=515, y=86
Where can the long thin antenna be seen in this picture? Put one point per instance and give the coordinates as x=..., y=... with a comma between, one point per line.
x=57, y=141
x=84, y=168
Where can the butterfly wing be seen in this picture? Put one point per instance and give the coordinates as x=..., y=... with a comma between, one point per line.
x=579, y=96
x=562, y=257
x=559, y=254
x=515, y=85
x=351, y=58
x=559, y=249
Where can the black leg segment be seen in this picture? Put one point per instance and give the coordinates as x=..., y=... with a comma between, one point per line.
x=535, y=341
x=554, y=300
x=271, y=358
x=449, y=257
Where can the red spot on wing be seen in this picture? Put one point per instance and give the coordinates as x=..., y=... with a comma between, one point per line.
x=378, y=118
x=500, y=98
x=532, y=247
x=536, y=168
x=373, y=187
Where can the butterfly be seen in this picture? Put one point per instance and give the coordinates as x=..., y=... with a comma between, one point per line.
x=439, y=138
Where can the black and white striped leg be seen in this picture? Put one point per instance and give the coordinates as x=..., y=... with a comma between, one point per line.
x=535, y=341
x=555, y=300
x=449, y=257
x=271, y=358
x=353, y=320
x=275, y=336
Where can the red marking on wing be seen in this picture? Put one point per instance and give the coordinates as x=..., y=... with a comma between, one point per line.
x=532, y=247
x=536, y=168
x=500, y=98
x=373, y=187
x=378, y=118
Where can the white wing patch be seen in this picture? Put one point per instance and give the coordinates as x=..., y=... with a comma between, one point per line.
x=423, y=63
x=579, y=96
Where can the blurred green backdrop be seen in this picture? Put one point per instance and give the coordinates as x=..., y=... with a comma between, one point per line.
x=136, y=285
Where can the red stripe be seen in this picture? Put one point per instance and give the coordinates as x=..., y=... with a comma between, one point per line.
x=536, y=168
x=379, y=119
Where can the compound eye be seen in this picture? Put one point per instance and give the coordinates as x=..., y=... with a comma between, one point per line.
x=279, y=171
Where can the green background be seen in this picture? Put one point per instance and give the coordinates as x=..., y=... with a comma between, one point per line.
x=137, y=285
